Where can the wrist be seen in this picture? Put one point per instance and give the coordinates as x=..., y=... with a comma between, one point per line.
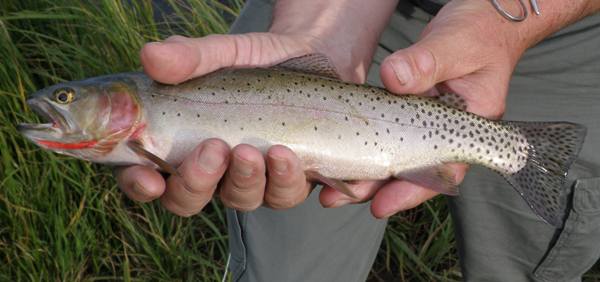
x=554, y=15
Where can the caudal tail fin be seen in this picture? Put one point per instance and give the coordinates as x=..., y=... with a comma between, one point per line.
x=553, y=146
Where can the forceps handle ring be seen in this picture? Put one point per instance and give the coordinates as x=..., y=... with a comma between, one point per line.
x=510, y=16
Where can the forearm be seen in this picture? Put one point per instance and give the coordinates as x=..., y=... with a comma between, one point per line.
x=346, y=30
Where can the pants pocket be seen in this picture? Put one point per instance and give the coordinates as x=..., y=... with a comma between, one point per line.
x=577, y=247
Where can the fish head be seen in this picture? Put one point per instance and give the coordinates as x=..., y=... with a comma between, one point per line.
x=84, y=119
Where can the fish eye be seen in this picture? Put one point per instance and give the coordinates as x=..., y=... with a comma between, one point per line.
x=64, y=95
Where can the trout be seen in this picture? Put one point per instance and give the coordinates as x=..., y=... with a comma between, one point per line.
x=340, y=131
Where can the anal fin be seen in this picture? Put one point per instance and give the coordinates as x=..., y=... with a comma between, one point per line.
x=437, y=178
x=336, y=184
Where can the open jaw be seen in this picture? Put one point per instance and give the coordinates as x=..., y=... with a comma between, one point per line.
x=56, y=131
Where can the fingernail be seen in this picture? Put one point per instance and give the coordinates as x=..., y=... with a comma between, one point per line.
x=280, y=166
x=402, y=70
x=138, y=187
x=210, y=159
x=243, y=167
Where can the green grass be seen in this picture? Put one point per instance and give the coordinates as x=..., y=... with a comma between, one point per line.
x=63, y=219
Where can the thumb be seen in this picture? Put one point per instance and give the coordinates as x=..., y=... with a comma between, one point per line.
x=435, y=58
x=179, y=58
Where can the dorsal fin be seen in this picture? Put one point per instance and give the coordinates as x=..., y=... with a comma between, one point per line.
x=452, y=100
x=314, y=63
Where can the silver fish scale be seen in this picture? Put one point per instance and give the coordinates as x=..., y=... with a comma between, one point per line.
x=344, y=131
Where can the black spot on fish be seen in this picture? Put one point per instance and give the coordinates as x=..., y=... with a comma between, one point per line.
x=283, y=123
x=178, y=114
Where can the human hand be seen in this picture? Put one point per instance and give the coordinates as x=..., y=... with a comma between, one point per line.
x=468, y=49
x=242, y=170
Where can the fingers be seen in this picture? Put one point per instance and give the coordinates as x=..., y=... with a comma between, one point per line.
x=363, y=190
x=200, y=173
x=398, y=196
x=244, y=184
x=140, y=183
x=179, y=58
x=287, y=185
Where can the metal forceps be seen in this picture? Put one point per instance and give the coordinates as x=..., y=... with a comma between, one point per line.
x=522, y=16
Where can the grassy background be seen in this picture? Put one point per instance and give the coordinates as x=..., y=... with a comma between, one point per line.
x=63, y=219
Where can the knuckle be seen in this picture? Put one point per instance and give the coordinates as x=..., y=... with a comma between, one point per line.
x=236, y=205
x=281, y=203
x=180, y=211
x=285, y=201
x=196, y=188
x=244, y=184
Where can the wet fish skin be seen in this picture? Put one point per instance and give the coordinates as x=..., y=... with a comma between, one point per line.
x=341, y=130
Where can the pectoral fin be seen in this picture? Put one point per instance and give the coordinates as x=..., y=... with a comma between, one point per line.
x=437, y=178
x=139, y=149
x=336, y=184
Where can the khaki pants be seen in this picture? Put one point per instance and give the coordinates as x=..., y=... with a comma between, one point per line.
x=499, y=238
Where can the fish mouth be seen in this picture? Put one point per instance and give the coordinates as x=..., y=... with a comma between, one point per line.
x=54, y=123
